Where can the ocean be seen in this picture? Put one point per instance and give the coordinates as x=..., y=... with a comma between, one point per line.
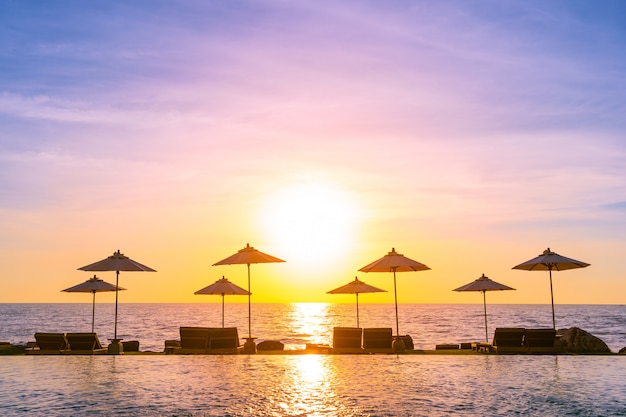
x=296, y=324
x=311, y=384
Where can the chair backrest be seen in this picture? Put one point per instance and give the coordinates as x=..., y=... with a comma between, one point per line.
x=131, y=346
x=347, y=337
x=377, y=338
x=509, y=337
x=194, y=337
x=51, y=341
x=83, y=341
x=223, y=337
x=540, y=337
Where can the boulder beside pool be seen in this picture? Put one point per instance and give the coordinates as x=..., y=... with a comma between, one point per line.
x=576, y=340
x=7, y=348
x=270, y=345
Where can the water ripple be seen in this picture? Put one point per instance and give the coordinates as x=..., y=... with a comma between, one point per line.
x=313, y=385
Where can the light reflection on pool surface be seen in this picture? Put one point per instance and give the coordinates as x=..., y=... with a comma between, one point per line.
x=313, y=385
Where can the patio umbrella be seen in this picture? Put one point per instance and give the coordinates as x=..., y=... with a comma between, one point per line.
x=549, y=261
x=248, y=256
x=356, y=287
x=394, y=262
x=93, y=285
x=484, y=284
x=222, y=287
x=116, y=262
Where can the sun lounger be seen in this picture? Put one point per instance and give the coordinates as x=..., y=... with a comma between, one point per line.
x=223, y=340
x=193, y=340
x=540, y=341
x=171, y=346
x=49, y=344
x=347, y=340
x=509, y=340
x=131, y=346
x=483, y=347
x=84, y=344
x=447, y=346
x=378, y=340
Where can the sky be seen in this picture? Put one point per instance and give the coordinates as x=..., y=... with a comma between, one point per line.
x=468, y=135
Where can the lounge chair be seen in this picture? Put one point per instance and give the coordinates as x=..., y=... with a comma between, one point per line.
x=223, y=340
x=193, y=340
x=49, y=344
x=131, y=346
x=378, y=340
x=84, y=344
x=347, y=340
x=509, y=340
x=540, y=341
x=171, y=346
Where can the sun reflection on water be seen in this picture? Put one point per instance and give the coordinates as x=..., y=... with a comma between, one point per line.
x=307, y=388
x=311, y=321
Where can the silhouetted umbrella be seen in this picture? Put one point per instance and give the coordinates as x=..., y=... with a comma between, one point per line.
x=484, y=284
x=93, y=285
x=549, y=261
x=116, y=262
x=356, y=287
x=222, y=287
x=394, y=262
x=248, y=256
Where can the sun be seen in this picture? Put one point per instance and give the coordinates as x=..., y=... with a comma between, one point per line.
x=310, y=221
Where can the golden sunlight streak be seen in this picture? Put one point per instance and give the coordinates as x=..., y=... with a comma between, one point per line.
x=308, y=387
x=311, y=369
x=310, y=222
x=311, y=319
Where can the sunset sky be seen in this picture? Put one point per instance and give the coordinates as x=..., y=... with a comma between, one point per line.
x=469, y=135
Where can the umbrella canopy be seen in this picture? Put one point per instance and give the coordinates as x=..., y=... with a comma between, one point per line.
x=93, y=285
x=484, y=284
x=549, y=261
x=222, y=287
x=394, y=262
x=248, y=256
x=116, y=262
x=356, y=287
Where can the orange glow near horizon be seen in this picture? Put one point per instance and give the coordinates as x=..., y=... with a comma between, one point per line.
x=372, y=125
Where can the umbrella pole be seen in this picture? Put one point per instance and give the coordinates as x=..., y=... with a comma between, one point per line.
x=249, y=309
x=395, y=294
x=485, y=307
x=357, y=309
x=552, y=299
x=93, y=310
x=117, y=280
x=222, y=311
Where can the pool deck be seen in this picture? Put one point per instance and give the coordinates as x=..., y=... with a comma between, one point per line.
x=8, y=349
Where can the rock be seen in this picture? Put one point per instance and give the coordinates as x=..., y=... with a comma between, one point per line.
x=9, y=349
x=622, y=351
x=575, y=340
x=270, y=345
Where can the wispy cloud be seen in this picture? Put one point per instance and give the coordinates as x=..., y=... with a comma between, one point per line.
x=450, y=117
